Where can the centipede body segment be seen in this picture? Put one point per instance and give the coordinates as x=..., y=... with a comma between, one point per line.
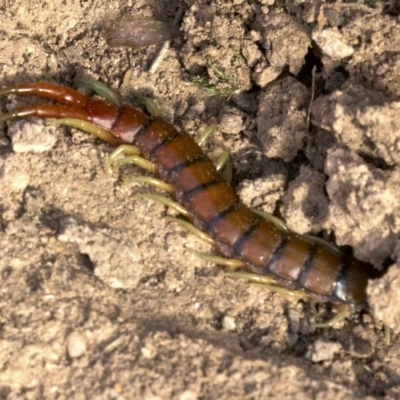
x=294, y=262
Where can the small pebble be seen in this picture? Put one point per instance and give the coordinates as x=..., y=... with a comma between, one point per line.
x=76, y=345
x=228, y=323
x=323, y=350
x=332, y=43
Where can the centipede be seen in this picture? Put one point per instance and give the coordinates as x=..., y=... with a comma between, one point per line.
x=269, y=254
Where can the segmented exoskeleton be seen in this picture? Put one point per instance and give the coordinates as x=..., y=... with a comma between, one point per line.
x=294, y=262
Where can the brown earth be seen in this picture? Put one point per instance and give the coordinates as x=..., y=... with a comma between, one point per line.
x=100, y=299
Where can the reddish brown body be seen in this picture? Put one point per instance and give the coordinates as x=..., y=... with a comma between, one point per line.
x=294, y=262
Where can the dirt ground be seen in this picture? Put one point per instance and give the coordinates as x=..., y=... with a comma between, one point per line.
x=100, y=298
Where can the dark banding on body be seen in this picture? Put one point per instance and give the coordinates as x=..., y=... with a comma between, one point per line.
x=131, y=124
x=188, y=195
x=229, y=226
x=275, y=257
x=244, y=237
x=180, y=172
x=292, y=257
x=321, y=271
x=261, y=244
x=212, y=204
x=175, y=152
x=155, y=132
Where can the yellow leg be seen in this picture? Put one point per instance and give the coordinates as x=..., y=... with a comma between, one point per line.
x=102, y=90
x=267, y=282
x=150, y=105
x=157, y=183
x=224, y=165
x=167, y=202
x=191, y=228
x=282, y=226
x=227, y=262
x=88, y=127
x=270, y=218
x=202, y=139
x=343, y=311
x=127, y=154
x=323, y=242
x=222, y=159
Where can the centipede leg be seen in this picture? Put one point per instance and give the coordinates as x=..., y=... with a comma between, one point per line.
x=148, y=180
x=226, y=262
x=192, y=229
x=266, y=282
x=224, y=166
x=167, y=202
x=343, y=311
x=202, y=139
x=127, y=154
x=282, y=226
x=271, y=218
x=86, y=126
x=102, y=90
x=223, y=159
x=150, y=106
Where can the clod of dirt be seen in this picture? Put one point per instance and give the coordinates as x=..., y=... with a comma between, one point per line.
x=322, y=350
x=365, y=121
x=332, y=44
x=384, y=298
x=305, y=205
x=117, y=263
x=357, y=189
x=263, y=193
x=286, y=40
x=27, y=136
x=281, y=118
x=231, y=120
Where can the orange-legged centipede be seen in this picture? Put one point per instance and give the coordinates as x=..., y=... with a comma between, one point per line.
x=294, y=262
